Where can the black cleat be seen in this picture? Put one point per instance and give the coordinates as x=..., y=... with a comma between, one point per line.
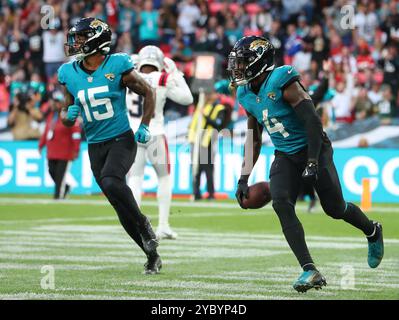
x=153, y=264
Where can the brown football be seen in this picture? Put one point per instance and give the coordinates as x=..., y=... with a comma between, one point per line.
x=258, y=196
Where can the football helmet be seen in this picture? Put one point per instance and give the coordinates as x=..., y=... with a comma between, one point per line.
x=250, y=57
x=151, y=55
x=88, y=36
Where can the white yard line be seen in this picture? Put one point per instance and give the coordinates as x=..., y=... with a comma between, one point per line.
x=184, y=204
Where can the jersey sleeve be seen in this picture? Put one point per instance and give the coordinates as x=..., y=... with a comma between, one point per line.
x=288, y=75
x=125, y=62
x=62, y=75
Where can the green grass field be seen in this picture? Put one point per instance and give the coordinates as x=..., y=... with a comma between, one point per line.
x=222, y=252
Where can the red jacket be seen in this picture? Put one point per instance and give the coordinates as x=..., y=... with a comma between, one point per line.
x=62, y=142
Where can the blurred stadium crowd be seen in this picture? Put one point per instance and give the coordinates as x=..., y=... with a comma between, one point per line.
x=363, y=75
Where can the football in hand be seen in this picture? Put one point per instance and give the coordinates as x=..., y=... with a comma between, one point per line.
x=258, y=196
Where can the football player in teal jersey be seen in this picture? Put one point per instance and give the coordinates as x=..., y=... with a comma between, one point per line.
x=95, y=87
x=274, y=99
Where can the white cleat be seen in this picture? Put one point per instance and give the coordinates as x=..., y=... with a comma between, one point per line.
x=166, y=233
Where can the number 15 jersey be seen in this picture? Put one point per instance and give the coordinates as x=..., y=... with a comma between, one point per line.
x=101, y=95
x=276, y=115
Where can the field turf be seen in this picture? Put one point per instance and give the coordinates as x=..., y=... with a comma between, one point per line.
x=222, y=252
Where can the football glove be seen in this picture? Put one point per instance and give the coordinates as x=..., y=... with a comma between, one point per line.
x=310, y=172
x=73, y=112
x=242, y=191
x=142, y=134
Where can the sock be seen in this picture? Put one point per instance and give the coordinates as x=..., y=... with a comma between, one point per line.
x=295, y=237
x=164, y=195
x=308, y=267
x=372, y=237
x=358, y=219
x=293, y=231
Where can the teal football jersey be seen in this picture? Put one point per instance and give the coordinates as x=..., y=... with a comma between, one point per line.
x=100, y=95
x=277, y=116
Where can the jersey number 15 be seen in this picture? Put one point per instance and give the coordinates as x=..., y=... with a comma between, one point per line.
x=109, y=113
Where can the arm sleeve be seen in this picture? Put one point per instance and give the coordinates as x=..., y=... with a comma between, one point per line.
x=306, y=112
x=320, y=91
x=178, y=90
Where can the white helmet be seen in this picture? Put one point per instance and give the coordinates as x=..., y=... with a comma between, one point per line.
x=151, y=55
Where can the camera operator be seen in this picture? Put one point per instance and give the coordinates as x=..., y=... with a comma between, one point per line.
x=23, y=115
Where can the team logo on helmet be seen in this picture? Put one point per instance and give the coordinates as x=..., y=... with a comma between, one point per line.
x=98, y=23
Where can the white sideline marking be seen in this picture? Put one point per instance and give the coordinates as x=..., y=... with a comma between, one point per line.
x=150, y=203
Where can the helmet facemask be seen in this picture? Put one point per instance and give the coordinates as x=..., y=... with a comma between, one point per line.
x=236, y=66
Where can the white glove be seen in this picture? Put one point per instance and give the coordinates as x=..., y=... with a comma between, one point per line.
x=170, y=66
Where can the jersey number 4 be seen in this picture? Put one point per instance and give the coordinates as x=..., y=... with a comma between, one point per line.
x=277, y=126
x=93, y=102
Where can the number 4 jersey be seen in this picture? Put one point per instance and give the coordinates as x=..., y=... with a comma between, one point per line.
x=277, y=116
x=100, y=95
x=172, y=86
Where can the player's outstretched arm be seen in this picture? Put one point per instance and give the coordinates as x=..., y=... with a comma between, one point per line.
x=303, y=105
x=69, y=101
x=253, y=144
x=137, y=84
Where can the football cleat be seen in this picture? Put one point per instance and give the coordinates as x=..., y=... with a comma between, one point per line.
x=166, y=233
x=308, y=280
x=153, y=264
x=376, y=248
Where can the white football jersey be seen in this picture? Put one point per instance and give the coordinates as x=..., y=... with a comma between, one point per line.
x=172, y=86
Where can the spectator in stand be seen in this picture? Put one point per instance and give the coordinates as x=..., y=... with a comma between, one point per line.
x=363, y=106
x=4, y=95
x=293, y=44
x=35, y=46
x=3, y=60
x=168, y=20
x=276, y=37
x=201, y=42
x=321, y=45
x=189, y=14
x=390, y=66
x=386, y=107
x=53, y=48
x=232, y=32
x=204, y=15
x=342, y=101
x=366, y=21
x=148, y=25
x=62, y=146
x=180, y=51
x=17, y=48
x=24, y=116
x=302, y=59
x=221, y=43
